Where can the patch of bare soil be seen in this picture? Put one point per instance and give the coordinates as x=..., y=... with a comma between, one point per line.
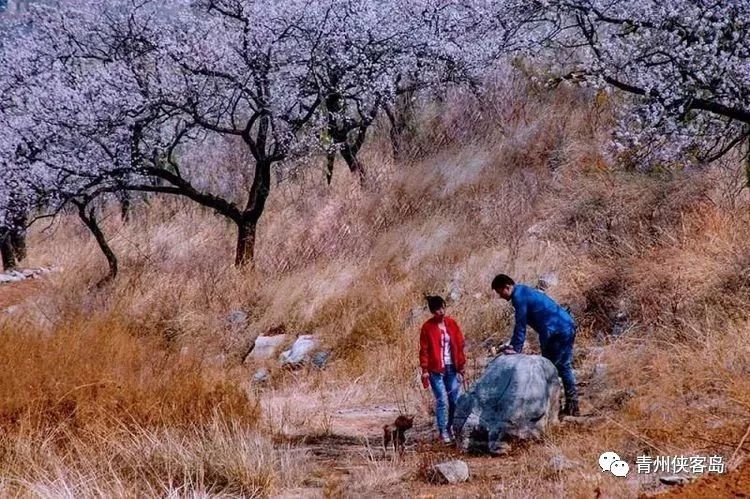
x=353, y=449
x=729, y=485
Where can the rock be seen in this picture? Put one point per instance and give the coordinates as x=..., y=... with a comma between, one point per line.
x=237, y=316
x=11, y=276
x=674, y=480
x=537, y=229
x=620, y=319
x=265, y=346
x=300, y=351
x=455, y=293
x=546, y=281
x=455, y=471
x=21, y=275
x=454, y=290
x=261, y=375
x=320, y=359
x=518, y=396
x=11, y=310
x=560, y=463
x=502, y=449
x=237, y=319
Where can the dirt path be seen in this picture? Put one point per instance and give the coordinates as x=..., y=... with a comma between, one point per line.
x=349, y=461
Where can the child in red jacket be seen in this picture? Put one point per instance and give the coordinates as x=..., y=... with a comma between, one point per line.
x=441, y=356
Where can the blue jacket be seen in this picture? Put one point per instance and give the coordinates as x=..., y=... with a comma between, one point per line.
x=535, y=309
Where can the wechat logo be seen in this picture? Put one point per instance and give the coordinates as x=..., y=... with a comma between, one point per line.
x=610, y=461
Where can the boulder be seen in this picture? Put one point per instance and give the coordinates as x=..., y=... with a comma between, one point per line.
x=518, y=397
x=320, y=359
x=261, y=375
x=455, y=471
x=265, y=346
x=300, y=351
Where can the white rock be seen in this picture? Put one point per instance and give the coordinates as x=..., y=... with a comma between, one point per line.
x=561, y=463
x=455, y=471
x=674, y=480
x=266, y=346
x=11, y=276
x=261, y=375
x=300, y=351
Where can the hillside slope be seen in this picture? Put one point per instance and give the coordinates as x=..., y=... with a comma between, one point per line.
x=139, y=388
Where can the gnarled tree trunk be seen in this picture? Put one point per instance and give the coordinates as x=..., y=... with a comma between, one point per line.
x=6, y=250
x=89, y=220
x=18, y=243
x=245, y=244
x=247, y=223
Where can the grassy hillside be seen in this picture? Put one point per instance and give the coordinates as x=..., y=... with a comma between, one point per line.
x=138, y=388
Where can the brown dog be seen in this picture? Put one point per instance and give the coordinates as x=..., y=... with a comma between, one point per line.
x=396, y=434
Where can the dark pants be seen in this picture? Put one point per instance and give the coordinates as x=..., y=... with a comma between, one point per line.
x=559, y=350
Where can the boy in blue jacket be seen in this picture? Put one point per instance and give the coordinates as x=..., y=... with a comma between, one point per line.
x=555, y=326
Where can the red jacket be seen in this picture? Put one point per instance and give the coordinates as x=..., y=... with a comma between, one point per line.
x=430, y=353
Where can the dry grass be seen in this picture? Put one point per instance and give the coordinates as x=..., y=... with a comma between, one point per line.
x=220, y=458
x=137, y=389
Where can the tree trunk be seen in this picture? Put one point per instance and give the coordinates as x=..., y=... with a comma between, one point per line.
x=8, y=255
x=247, y=223
x=331, y=159
x=399, y=116
x=89, y=220
x=397, y=130
x=125, y=204
x=17, y=238
x=349, y=153
x=245, y=243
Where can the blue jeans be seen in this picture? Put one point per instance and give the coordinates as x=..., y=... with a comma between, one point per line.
x=446, y=388
x=559, y=350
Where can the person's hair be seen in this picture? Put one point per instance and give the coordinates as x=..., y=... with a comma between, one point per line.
x=434, y=303
x=500, y=281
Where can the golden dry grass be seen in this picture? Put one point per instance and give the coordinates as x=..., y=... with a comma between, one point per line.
x=138, y=389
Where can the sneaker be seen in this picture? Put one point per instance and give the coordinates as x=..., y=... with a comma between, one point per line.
x=446, y=438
